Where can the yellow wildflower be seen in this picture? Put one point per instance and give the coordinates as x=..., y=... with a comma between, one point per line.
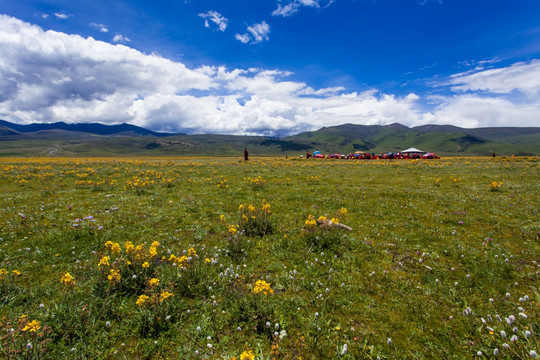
x=191, y=252
x=232, y=229
x=335, y=220
x=343, y=211
x=142, y=299
x=146, y=264
x=67, y=279
x=16, y=272
x=251, y=208
x=154, y=282
x=32, y=326
x=262, y=286
x=182, y=260
x=165, y=295
x=114, y=275
x=3, y=273
x=247, y=355
x=322, y=219
x=129, y=247
x=207, y=260
x=241, y=207
x=266, y=207
x=113, y=247
x=222, y=218
x=104, y=261
x=311, y=222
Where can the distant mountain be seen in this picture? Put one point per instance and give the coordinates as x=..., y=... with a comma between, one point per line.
x=489, y=132
x=443, y=139
x=61, y=139
x=91, y=128
x=4, y=130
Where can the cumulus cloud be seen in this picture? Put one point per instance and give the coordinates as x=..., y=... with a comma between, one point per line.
x=243, y=38
x=48, y=76
x=309, y=2
x=472, y=111
x=100, y=27
x=121, y=38
x=259, y=32
x=216, y=18
x=412, y=97
x=256, y=33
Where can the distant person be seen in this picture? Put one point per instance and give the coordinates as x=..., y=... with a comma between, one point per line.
x=246, y=157
x=493, y=155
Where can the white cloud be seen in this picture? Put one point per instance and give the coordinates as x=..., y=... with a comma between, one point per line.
x=412, y=97
x=259, y=32
x=313, y=3
x=523, y=77
x=61, y=15
x=293, y=6
x=120, y=38
x=100, y=27
x=287, y=10
x=216, y=18
x=244, y=38
x=48, y=76
x=472, y=111
x=256, y=33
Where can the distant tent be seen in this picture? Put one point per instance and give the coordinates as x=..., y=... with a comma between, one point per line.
x=316, y=152
x=414, y=151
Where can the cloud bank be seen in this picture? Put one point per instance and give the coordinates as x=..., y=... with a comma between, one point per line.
x=48, y=76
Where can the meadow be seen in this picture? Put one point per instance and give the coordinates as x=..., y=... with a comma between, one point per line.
x=217, y=258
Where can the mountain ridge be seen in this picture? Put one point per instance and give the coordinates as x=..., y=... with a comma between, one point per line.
x=92, y=128
x=125, y=139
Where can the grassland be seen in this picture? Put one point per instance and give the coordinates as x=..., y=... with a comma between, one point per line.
x=109, y=258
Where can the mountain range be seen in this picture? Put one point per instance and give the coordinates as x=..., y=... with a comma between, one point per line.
x=94, y=139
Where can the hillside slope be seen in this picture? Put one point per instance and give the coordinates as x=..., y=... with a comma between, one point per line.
x=60, y=139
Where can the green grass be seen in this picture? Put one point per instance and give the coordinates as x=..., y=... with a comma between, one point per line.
x=436, y=254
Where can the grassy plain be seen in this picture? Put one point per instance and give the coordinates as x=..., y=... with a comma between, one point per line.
x=442, y=261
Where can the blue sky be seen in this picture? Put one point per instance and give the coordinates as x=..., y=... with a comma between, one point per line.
x=272, y=67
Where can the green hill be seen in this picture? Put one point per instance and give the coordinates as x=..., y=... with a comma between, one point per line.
x=62, y=139
x=442, y=139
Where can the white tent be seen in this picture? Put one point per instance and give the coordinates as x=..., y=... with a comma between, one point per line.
x=413, y=151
